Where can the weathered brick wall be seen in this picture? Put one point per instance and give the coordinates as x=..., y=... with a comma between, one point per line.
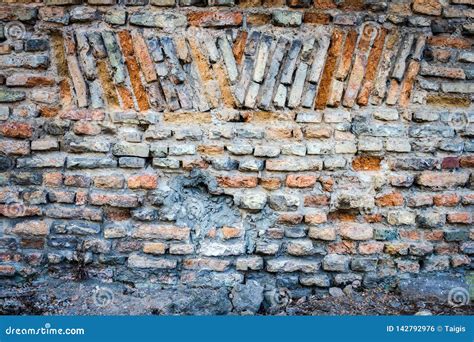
x=297, y=144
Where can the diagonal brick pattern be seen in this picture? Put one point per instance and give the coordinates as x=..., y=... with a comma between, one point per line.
x=201, y=70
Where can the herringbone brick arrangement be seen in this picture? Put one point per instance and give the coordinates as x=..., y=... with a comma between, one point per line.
x=216, y=149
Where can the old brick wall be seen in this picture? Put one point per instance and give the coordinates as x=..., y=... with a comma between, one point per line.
x=258, y=144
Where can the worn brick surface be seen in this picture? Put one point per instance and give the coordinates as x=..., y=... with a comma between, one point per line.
x=206, y=145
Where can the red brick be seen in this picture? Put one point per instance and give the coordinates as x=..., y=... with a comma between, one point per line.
x=86, y=128
x=468, y=199
x=300, y=181
x=316, y=200
x=133, y=70
x=109, y=182
x=316, y=218
x=434, y=235
x=371, y=247
x=77, y=181
x=344, y=247
x=446, y=200
x=438, y=180
x=446, y=248
x=29, y=81
x=317, y=18
x=450, y=41
x=81, y=197
x=327, y=183
x=143, y=181
x=429, y=7
x=394, y=199
x=239, y=46
x=409, y=234
x=325, y=84
x=460, y=260
x=7, y=270
x=210, y=149
x=237, y=181
x=342, y=216
x=52, y=179
x=16, y=130
x=450, y=163
x=373, y=218
x=290, y=219
x=461, y=218
x=83, y=114
x=143, y=56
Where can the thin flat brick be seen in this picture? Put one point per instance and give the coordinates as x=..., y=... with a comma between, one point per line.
x=347, y=54
x=143, y=56
x=358, y=68
x=108, y=87
x=372, y=67
x=133, y=70
x=408, y=82
x=334, y=51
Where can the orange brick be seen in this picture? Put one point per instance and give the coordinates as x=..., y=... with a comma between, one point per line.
x=258, y=19
x=467, y=161
x=143, y=56
x=270, y=183
x=374, y=218
x=327, y=183
x=317, y=18
x=316, y=200
x=231, y=232
x=237, y=181
x=366, y=163
x=371, y=70
x=239, y=46
x=461, y=218
x=434, y=235
x=143, y=181
x=325, y=83
x=316, y=218
x=393, y=199
x=211, y=149
x=450, y=41
x=409, y=234
x=347, y=55
x=344, y=247
x=133, y=70
x=52, y=179
x=300, y=181
x=446, y=200
x=16, y=130
x=371, y=247
x=291, y=219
